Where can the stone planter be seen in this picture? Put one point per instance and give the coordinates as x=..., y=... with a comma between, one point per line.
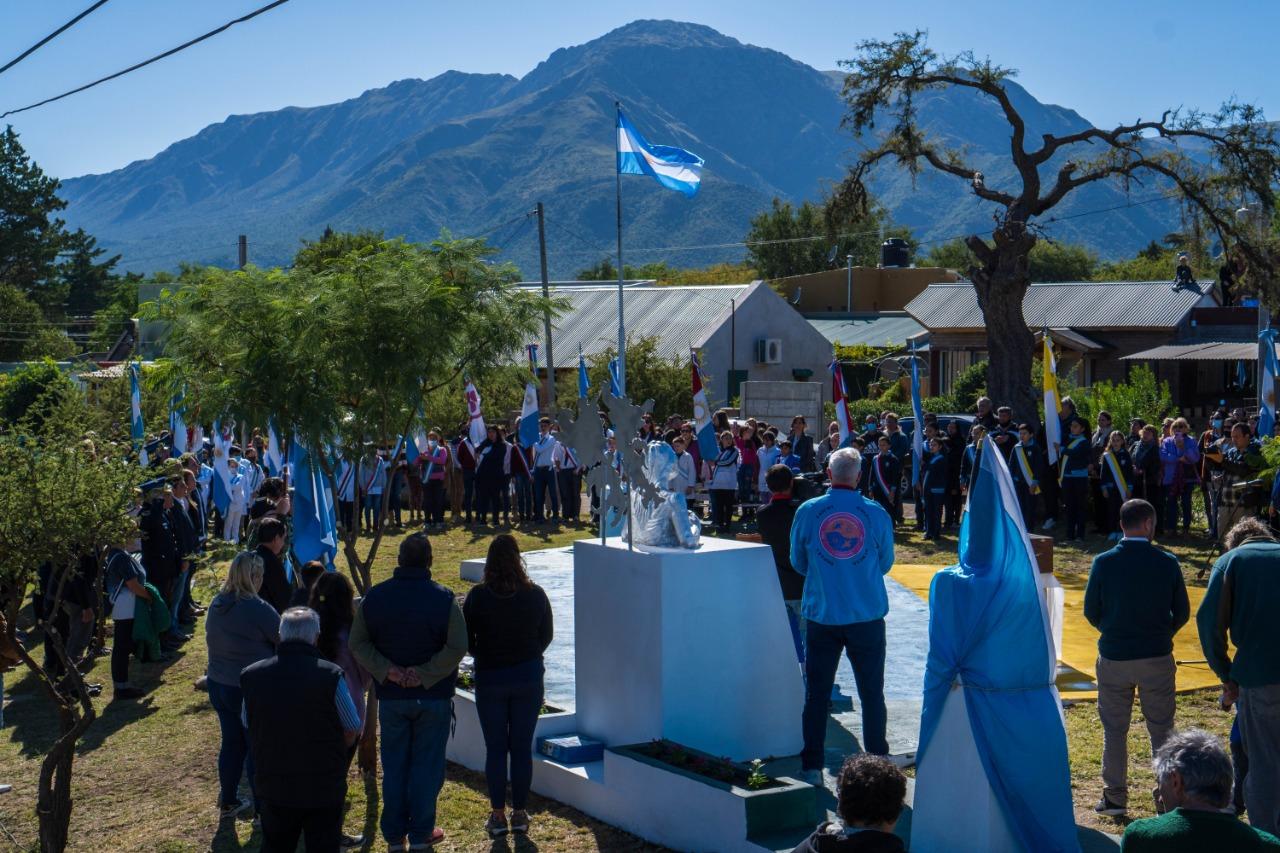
x=787, y=804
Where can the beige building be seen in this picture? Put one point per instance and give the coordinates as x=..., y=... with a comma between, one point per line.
x=871, y=290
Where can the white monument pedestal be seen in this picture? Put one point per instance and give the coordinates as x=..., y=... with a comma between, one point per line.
x=952, y=791
x=688, y=645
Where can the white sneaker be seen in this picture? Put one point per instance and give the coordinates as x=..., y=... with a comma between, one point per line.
x=4, y=789
x=902, y=762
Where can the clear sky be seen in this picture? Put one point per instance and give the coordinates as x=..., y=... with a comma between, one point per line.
x=1111, y=61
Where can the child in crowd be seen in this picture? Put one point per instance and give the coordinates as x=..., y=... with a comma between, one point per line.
x=768, y=456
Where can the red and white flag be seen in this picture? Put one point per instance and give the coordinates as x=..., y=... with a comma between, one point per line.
x=841, y=399
x=476, y=429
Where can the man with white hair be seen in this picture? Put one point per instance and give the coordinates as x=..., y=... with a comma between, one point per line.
x=1193, y=784
x=842, y=542
x=302, y=723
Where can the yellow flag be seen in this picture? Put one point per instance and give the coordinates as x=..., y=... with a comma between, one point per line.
x=1052, y=401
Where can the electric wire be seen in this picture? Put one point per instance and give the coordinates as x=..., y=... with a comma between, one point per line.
x=170, y=52
x=53, y=35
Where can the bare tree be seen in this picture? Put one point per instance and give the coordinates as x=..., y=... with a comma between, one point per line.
x=1235, y=156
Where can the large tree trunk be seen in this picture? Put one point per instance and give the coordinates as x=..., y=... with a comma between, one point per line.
x=1001, y=282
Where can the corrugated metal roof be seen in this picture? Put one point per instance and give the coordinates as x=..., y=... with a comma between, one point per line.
x=1077, y=304
x=889, y=329
x=1074, y=340
x=1201, y=351
x=676, y=316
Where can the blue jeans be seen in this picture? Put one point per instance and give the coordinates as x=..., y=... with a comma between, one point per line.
x=508, y=701
x=179, y=595
x=415, y=733
x=797, y=622
x=863, y=643
x=544, y=481
x=233, y=756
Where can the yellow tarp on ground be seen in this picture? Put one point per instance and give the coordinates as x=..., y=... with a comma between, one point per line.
x=1080, y=639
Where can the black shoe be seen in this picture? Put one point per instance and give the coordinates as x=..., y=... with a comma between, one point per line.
x=1106, y=807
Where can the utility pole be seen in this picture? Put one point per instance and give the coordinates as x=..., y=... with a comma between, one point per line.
x=848, y=284
x=242, y=255
x=550, y=395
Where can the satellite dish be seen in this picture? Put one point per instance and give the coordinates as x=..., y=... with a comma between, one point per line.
x=831, y=256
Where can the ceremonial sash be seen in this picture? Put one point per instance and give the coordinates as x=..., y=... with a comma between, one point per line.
x=1062, y=468
x=1113, y=464
x=884, y=485
x=377, y=469
x=347, y=473
x=1024, y=465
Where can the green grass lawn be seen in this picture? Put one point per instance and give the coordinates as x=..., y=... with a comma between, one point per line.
x=146, y=778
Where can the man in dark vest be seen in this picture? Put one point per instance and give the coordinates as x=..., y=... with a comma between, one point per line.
x=302, y=722
x=409, y=634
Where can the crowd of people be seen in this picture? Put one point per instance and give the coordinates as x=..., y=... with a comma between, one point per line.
x=285, y=640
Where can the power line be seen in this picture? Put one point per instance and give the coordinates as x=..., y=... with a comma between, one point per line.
x=255, y=13
x=53, y=35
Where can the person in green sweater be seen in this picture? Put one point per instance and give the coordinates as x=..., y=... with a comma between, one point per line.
x=1243, y=600
x=1136, y=597
x=1193, y=777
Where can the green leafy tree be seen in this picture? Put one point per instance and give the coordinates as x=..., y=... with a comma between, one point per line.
x=31, y=234
x=20, y=318
x=118, y=310
x=80, y=495
x=1140, y=396
x=316, y=256
x=31, y=393
x=779, y=243
x=1236, y=155
x=85, y=276
x=1050, y=261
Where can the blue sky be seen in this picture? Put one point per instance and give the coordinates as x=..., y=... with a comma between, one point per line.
x=1111, y=61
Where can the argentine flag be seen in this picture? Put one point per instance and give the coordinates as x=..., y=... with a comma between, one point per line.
x=1267, y=387
x=315, y=529
x=917, y=435
x=222, y=471
x=674, y=168
x=584, y=385
x=273, y=458
x=137, y=431
x=703, y=428
x=529, y=415
x=615, y=386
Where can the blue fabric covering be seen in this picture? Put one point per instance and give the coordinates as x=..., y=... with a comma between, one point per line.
x=315, y=530
x=987, y=627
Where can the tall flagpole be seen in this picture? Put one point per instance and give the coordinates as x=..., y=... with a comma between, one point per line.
x=622, y=331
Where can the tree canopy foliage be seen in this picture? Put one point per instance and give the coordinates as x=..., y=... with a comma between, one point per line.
x=1209, y=160
x=1048, y=261
x=787, y=240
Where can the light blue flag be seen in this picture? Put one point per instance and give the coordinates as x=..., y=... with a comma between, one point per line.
x=273, y=458
x=917, y=435
x=136, y=430
x=584, y=385
x=1269, y=370
x=989, y=637
x=315, y=529
x=528, y=427
x=615, y=386
x=178, y=424
x=674, y=168
x=221, y=491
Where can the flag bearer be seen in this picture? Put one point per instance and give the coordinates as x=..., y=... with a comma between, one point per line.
x=886, y=477
x=1027, y=467
x=1117, y=474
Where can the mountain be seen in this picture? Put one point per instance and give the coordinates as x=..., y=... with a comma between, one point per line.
x=470, y=153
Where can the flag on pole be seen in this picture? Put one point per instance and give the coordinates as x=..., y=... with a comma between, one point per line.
x=1052, y=402
x=840, y=397
x=917, y=434
x=584, y=385
x=703, y=428
x=274, y=457
x=615, y=384
x=1268, y=370
x=221, y=470
x=674, y=168
x=475, y=430
x=528, y=427
x=138, y=433
x=315, y=528
x=990, y=631
x=532, y=349
x=178, y=424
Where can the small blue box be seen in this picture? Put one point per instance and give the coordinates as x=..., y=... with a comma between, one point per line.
x=571, y=749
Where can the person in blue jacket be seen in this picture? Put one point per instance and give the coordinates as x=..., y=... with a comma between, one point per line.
x=934, y=488
x=1026, y=466
x=842, y=542
x=885, y=477
x=1076, y=453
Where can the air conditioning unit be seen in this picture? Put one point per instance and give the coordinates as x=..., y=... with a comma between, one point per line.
x=769, y=351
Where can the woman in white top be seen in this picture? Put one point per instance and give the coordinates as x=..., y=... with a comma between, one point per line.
x=768, y=455
x=724, y=482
